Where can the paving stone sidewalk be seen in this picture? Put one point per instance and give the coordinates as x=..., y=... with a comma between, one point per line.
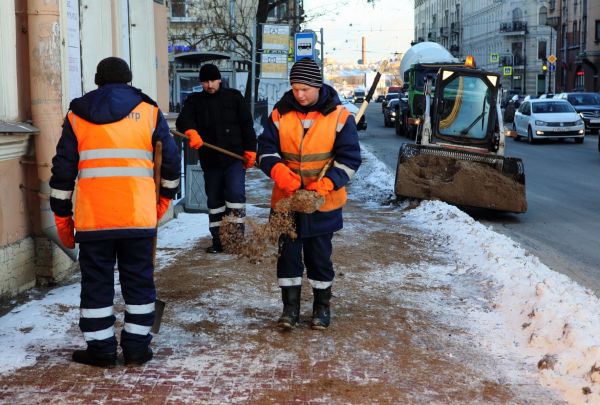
x=390, y=341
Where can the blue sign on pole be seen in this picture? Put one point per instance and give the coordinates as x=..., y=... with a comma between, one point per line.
x=304, y=45
x=552, y=67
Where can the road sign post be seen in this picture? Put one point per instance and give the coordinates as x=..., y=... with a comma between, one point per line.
x=304, y=46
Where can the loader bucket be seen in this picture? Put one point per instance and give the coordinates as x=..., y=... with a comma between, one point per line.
x=461, y=178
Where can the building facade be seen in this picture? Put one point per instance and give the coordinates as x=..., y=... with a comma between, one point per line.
x=578, y=48
x=511, y=37
x=49, y=51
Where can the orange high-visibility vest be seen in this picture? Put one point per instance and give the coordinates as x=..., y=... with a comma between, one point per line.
x=115, y=188
x=307, y=154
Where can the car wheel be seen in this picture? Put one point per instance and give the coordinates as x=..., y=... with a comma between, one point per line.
x=579, y=140
x=530, y=139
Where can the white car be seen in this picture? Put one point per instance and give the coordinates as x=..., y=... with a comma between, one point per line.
x=548, y=119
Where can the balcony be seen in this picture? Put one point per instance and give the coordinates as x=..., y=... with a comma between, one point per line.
x=454, y=28
x=444, y=32
x=513, y=28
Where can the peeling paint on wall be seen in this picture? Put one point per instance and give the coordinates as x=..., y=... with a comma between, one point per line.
x=47, y=52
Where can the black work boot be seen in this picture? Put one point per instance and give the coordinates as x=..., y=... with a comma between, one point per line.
x=291, y=307
x=96, y=359
x=321, y=314
x=216, y=247
x=137, y=358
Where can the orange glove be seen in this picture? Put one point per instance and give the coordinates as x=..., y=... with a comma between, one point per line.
x=285, y=179
x=195, y=141
x=162, y=206
x=66, y=230
x=250, y=159
x=323, y=186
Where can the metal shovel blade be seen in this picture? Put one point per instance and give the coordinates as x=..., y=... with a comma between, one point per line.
x=159, y=309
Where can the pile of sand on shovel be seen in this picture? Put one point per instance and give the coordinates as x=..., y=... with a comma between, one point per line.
x=261, y=241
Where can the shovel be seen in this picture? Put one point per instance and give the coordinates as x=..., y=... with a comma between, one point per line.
x=159, y=305
x=214, y=147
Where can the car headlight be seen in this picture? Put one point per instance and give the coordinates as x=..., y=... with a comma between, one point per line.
x=541, y=123
x=393, y=113
x=579, y=122
x=581, y=115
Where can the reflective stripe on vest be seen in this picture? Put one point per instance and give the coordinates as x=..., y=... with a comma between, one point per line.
x=307, y=154
x=116, y=188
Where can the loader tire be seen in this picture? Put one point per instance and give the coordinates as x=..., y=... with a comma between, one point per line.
x=513, y=168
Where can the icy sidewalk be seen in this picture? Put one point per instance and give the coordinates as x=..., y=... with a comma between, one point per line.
x=429, y=307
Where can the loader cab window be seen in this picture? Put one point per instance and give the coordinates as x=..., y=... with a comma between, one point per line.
x=465, y=108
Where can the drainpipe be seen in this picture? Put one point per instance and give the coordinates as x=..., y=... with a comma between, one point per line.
x=46, y=100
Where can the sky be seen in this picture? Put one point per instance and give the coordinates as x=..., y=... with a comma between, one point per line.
x=387, y=27
x=526, y=311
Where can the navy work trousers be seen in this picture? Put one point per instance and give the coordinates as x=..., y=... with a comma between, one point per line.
x=225, y=194
x=97, y=262
x=317, y=258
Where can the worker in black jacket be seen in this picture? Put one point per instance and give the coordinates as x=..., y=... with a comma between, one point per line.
x=220, y=117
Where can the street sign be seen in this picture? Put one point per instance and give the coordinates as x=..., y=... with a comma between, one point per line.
x=304, y=45
x=274, y=66
x=552, y=67
x=276, y=37
x=552, y=59
x=494, y=57
x=507, y=70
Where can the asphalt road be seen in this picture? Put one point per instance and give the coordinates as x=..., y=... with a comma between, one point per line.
x=562, y=223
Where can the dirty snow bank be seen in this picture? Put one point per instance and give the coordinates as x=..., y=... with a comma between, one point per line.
x=535, y=313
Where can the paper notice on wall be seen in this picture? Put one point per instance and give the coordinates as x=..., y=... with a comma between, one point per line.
x=73, y=50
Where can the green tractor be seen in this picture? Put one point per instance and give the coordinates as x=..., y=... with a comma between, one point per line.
x=458, y=156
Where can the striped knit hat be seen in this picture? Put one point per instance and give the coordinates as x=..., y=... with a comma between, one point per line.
x=306, y=71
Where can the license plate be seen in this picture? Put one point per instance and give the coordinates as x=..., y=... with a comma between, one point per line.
x=560, y=129
x=595, y=121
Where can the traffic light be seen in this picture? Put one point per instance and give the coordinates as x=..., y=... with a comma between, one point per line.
x=544, y=68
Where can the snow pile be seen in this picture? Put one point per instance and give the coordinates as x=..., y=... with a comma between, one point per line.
x=36, y=325
x=538, y=314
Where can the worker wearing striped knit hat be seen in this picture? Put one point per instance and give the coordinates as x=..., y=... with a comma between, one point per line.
x=313, y=109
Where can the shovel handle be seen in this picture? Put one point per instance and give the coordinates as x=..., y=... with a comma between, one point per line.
x=211, y=146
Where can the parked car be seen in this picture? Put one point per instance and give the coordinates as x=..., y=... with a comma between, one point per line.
x=588, y=107
x=390, y=112
x=402, y=113
x=362, y=124
x=508, y=95
x=548, y=119
x=380, y=98
x=546, y=95
x=388, y=97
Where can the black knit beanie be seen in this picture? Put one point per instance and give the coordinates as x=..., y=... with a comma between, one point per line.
x=209, y=72
x=306, y=71
x=112, y=70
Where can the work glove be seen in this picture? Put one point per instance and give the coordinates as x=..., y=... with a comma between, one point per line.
x=162, y=206
x=66, y=230
x=285, y=179
x=195, y=141
x=323, y=186
x=250, y=159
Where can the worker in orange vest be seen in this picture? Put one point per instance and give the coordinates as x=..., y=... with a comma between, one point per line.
x=307, y=129
x=107, y=145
